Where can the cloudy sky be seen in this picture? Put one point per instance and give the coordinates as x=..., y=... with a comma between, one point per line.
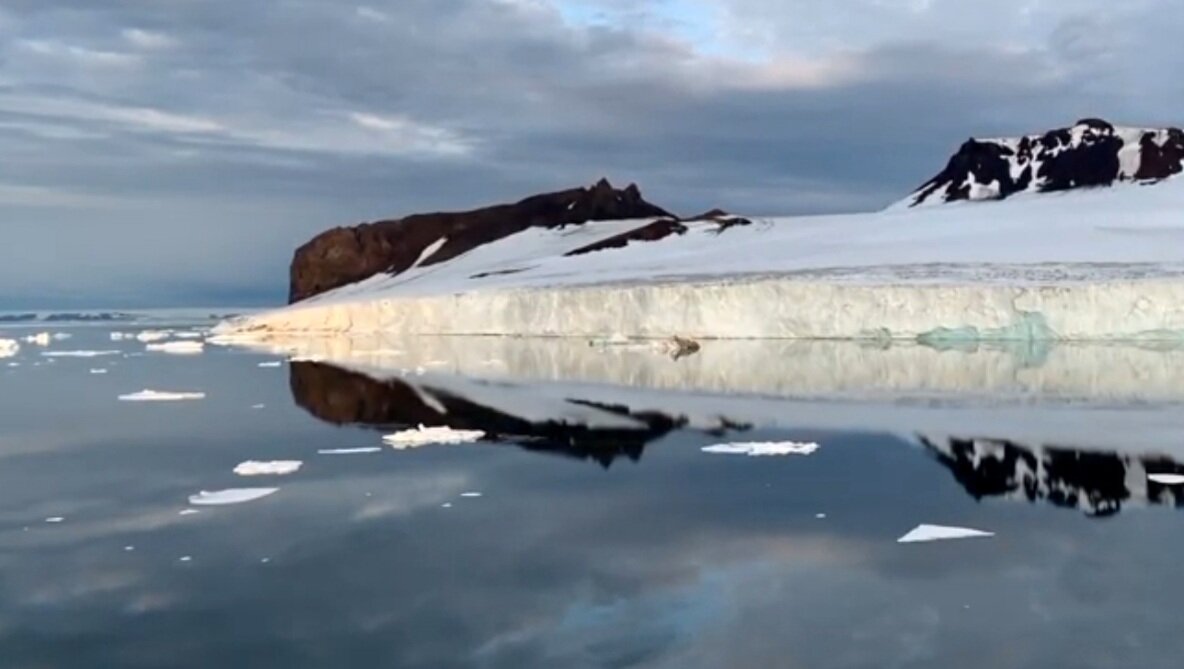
x=164, y=152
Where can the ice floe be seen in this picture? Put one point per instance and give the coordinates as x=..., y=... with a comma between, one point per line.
x=269, y=468
x=925, y=533
x=423, y=436
x=78, y=354
x=9, y=348
x=161, y=396
x=1166, y=479
x=188, y=335
x=55, y=519
x=153, y=335
x=258, y=406
x=471, y=494
x=763, y=448
x=273, y=363
x=177, y=347
x=39, y=339
x=98, y=370
x=188, y=512
x=230, y=496
x=349, y=451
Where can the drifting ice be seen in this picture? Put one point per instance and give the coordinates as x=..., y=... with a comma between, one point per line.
x=177, y=347
x=763, y=448
x=272, y=468
x=423, y=436
x=925, y=533
x=230, y=496
x=160, y=396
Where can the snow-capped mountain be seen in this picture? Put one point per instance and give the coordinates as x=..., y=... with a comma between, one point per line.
x=1090, y=153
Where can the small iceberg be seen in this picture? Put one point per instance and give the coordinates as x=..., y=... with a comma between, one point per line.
x=177, y=347
x=270, y=468
x=423, y=436
x=925, y=533
x=763, y=448
x=1166, y=479
x=230, y=496
x=348, y=451
x=9, y=348
x=78, y=354
x=39, y=339
x=160, y=396
x=471, y=494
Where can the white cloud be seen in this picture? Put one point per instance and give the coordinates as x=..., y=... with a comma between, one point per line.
x=146, y=39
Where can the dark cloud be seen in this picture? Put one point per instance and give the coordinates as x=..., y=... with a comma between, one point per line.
x=213, y=137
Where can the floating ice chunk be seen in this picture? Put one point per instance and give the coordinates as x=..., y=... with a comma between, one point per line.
x=161, y=396
x=55, y=519
x=270, y=468
x=9, y=348
x=98, y=370
x=273, y=363
x=120, y=336
x=188, y=512
x=129, y=548
x=446, y=505
x=186, y=558
x=1167, y=479
x=177, y=347
x=820, y=516
x=78, y=354
x=258, y=406
x=40, y=339
x=923, y=533
x=14, y=364
x=422, y=436
x=471, y=494
x=153, y=335
x=230, y=496
x=188, y=335
x=348, y=451
x=761, y=448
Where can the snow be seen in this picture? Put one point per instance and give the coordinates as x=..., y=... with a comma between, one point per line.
x=78, y=354
x=270, y=468
x=230, y=496
x=1097, y=264
x=177, y=347
x=9, y=348
x=1166, y=479
x=349, y=451
x=763, y=448
x=161, y=396
x=927, y=533
x=423, y=436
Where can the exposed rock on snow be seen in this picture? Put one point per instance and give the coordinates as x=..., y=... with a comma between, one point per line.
x=269, y=468
x=927, y=533
x=230, y=496
x=345, y=255
x=423, y=436
x=161, y=396
x=177, y=347
x=763, y=448
x=1091, y=153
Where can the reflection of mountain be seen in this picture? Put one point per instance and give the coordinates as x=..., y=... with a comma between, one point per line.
x=505, y=412
x=1096, y=482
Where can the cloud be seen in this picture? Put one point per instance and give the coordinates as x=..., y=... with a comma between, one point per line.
x=387, y=107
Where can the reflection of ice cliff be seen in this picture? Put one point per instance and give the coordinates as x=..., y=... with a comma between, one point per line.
x=1098, y=483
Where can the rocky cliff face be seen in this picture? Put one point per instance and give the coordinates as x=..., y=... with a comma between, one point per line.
x=346, y=255
x=1090, y=153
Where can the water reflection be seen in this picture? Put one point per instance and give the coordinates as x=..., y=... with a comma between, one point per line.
x=1097, y=483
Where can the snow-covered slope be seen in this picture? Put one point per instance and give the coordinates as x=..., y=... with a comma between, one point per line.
x=1090, y=153
x=1083, y=265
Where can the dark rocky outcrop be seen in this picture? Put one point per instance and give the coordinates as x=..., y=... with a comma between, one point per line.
x=1091, y=153
x=345, y=255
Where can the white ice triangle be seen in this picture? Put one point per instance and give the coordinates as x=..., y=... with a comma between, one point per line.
x=922, y=533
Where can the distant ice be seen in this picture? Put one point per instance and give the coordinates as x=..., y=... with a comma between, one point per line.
x=422, y=436
x=177, y=347
x=54, y=519
x=230, y=496
x=471, y=494
x=40, y=339
x=160, y=396
x=274, y=363
x=78, y=354
x=349, y=451
x=9, y=348
x=258, y=406
x=925, y=533
x=153, y=335
x=446, y=505
x=763, y=448
x=129, y=548
x=820, y=516
x=1167, y=479
x=188, y=512
x=188, y=335
x=187, y=558
x=98, y=370
x=270, y=468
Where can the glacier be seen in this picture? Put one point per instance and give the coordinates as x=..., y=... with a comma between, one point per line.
x=1098, y=264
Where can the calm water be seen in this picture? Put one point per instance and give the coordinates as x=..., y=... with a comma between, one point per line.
x=594, y=544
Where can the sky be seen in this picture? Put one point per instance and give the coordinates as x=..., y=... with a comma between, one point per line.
x=175, y=152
